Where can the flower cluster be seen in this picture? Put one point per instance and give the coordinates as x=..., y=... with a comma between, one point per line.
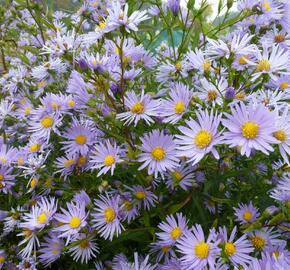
x=143, y=135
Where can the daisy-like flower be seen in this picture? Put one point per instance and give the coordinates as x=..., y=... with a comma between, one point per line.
x=237, y=251
x=106, y=216
x=27, y=264
x=172, y=229
x=246, y=213
x=282, y=134
x=105, y=157
x=162, y=251
x=143, y=107
x=40, y=214
x=281, y=192
x=50, y=250
x=129, y=207
x=198, y=252
x=119, y=17
x=174, y=108
x=197, y=60
x=270, y=61
x=80, y=137
x=30, y=240
x=143, y=196
x=158, y=153
x=84, y=248
x=7, y=180
x=199, y=137
x=7, y=155
x=71, y=220
x=250, y=128
x=182, y=176
x=2, y=258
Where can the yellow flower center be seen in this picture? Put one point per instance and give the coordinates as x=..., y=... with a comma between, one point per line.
x=68, y=162
x=206, y=66
x=158, y=153
x=250, y=130
x=109, y=214
x=128, y=206
x=179, y=107
x=178, y=66
x=258, y=242
x=165, y=249
x=140, y=195
x=82, y=160
x=42, y=218
x=203, y=139
x=177, y=176
x=175, y=233
x=284, y=85
x=55, y=105
x=3, y=160
x=212, y=95
x=20, y=161
x=243, y=60
x=75, y=222
x=47, y=121
x=27, y=232
x=266, y=5
x=264, y=65
x=34, y=147
x=27, y=111
x=102, y=25
x=280, y=135
x=279, y=38
x=138, y=108
x=2, y=259
x=80, y=139
x=71, y=103
x=1, y=177
x=84, y=244
x=109, y=160
x=230, y=249
x=201, y=250
x=247, y=216
x=33, y=182
x=41, y=84
x=276, y=253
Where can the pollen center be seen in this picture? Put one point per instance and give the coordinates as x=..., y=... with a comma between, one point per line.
x=42, y=218
x=81, y=139
x=250, y=130
x=212, y=95
x=266, y=6
x=175, y=233
x=258, y=242
x=75, y=222
x=264, y=65
x=68, y=162
x=84, y=244
x=71, y=103
x=178, y=66
x=158, y=153
x=247, y=216
x=243, y=60
x=47, y=121
x=201, y=250
x=138, y=108
x=279, y=38
x=179, y=107
x=1, y=177
x=284, y=85
x=140, y=195
x=202, y=139
x=2, y=259
x=110, y=214
x=206, y=66
x=177, y=176
x=109, y=160
x=230, y=249
x=34, y=147
x=280, y=135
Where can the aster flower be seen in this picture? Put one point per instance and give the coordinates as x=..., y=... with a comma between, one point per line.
x=237, y=251
x=7, y=180
x=71, y=220
x=80, y=137
x=199, y=137
x=143, y=196
x=50, y=250
x=106, y=216
x=129, y=207
x=174, y=108
x=27, y=264
x=246, y=213
x=30, y=241
x=250, y=128
x=84, y=248
x=105, y=157
x=158, y=153
x=197, y=60
x=162, y=251
x=119, y=17
x=143, y=107
x=198, y=252
x=282, y=191
x=172, y=229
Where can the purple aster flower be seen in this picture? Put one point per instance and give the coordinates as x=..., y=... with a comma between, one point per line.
x=174, y=108
x=27, y=264
x=81, y=137
x=158, y=153
x=71, y=220
x=30, y=241
x=106, y=216
x=237, y=251
x=129, y=207
x=281, y=192
x=2, y=258
x=174, y=6
x=105, y=157
x=7, y=180
x=162, y=251
x=172, y=229
x=182, y=176
x=50, y=250
x=198, y=252
x=200, y=137
x=143, y=107
x=246, y=213
x=7, y=155
x=143, y=196
x=82, y=197
x=66, y=165
x=197, y=60
x=250, y=128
